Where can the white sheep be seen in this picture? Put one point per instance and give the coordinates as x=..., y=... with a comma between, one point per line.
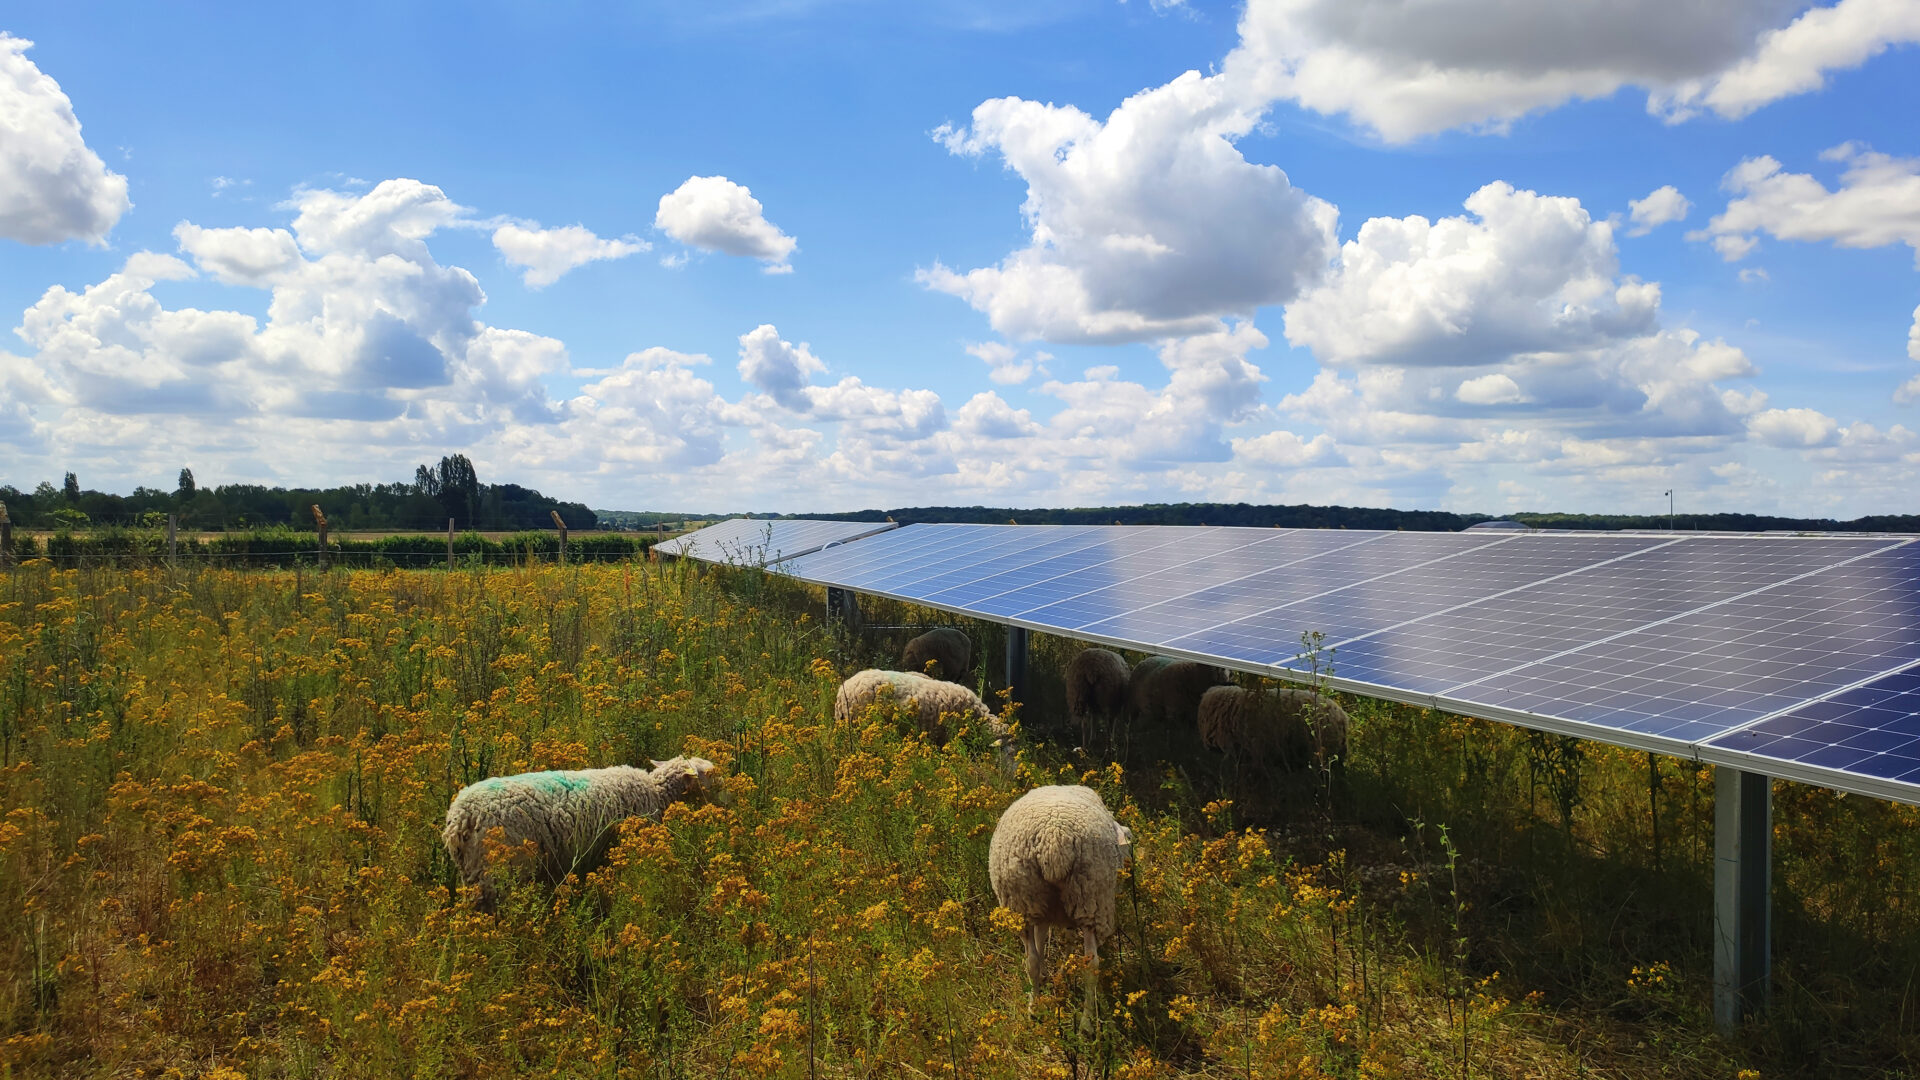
x=951, y=648
x=1055, y=859
x=1096, y=691
x=570, y=816
x=929, y=699
x=1289, y=728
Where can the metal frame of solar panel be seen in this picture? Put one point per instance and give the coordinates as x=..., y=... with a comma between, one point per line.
x=1796, y=656
x=762, y=541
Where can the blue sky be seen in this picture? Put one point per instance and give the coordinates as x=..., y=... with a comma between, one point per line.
x=1470, y=254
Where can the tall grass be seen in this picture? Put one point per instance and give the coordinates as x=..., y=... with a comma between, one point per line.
x=220, y=795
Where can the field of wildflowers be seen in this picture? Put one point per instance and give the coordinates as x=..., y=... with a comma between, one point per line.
x=220, y=796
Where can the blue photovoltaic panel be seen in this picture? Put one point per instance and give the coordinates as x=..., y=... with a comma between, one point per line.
x=1442, y=653
x=758, y=542
x=1703, y=672
x=1872, y=730
x=1700, y=645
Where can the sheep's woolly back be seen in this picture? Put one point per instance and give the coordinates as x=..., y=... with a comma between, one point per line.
x=928, y=699
x=1168, y=691
x=1056, y=856
x=953, y=649
x=1279, y=726
x=1097, y=681
x=568, y=816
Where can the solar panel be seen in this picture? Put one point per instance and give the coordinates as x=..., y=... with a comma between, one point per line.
x=762, y=541
x=1706, y=646
x=1871, y=730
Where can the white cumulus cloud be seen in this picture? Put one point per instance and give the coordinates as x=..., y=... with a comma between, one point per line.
x=1149, y=224
x=1795, y=428
x=52, y=186
x=1525, y=273
x=1662, y=205
x=1408, y=68
x=1877, y=203
x=715, y=214
x=1796, y=58
x=547, y=254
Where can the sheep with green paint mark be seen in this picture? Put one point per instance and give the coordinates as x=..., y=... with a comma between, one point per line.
x=570, y=818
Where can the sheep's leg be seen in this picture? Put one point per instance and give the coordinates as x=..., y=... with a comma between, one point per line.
x=1033, y=937
x=1090, y=948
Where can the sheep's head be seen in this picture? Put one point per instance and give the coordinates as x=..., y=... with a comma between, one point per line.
x=685, y=777
x=1125, y=836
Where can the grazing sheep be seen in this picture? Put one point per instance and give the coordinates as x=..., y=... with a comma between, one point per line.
x=930, y=700
x=1165, y=690
x=1096, y=691
x=1055, y=859
x=1289, y=728
x=950, y=647
x=570, y=816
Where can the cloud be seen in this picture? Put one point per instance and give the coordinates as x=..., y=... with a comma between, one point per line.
x=52, y=186
x=1147, y=225
x=715, y=214
x=1404, y=70
x=1795, y=428
x=1283, y=449
x=1532, y=273
x=1005, y=366
x=240, y=256
x=777, y=367
x=1877, y=204
x=1661, y=205
x=988, y=416
x=1494, y=389
x=1795, y=59
x=546, y=254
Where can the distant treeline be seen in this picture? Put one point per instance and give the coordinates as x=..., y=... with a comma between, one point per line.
x=1361, y=517
x=282, y=546
x=449, y=490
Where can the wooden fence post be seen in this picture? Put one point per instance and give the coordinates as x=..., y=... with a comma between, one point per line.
x=6, y=537
x=173, y=539
x=562, y=526
x=449, y=543
x=320, y=521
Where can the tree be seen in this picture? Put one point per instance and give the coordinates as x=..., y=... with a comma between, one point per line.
x=459, y=488
x=186, y=483
x=71, y=488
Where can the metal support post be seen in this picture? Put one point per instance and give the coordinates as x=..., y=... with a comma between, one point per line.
x=173, y=538
x=838, y=604
x=1742, y=888
x=449, y=544
x=6, y=537
x=1017, y=663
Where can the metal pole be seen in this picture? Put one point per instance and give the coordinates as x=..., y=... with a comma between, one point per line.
x=1017, y=662
x=6, y=537
x=1742, y=888
x=449, y=543
x=173, y=538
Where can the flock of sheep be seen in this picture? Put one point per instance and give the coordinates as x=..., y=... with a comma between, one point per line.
x=1056, y=852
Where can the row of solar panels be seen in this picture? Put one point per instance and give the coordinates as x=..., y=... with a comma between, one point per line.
x=1793, y=656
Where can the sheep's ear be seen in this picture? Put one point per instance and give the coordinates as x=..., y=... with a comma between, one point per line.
x=656, y=762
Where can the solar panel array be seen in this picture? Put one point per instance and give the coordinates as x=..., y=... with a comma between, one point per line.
x=763, y=541
x=1794, y=656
